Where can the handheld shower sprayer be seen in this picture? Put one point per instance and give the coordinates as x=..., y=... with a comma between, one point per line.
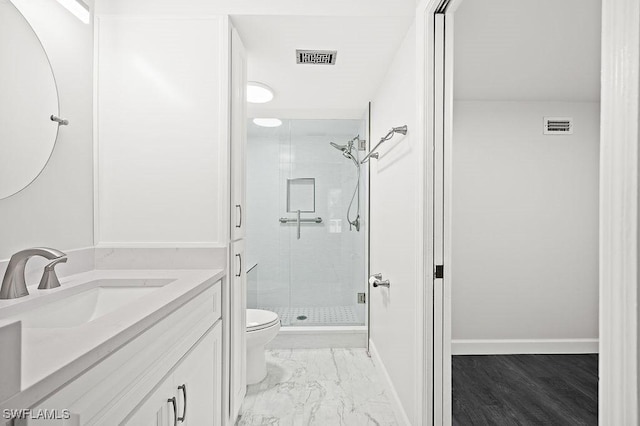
x=347, y=152
x=373, y=154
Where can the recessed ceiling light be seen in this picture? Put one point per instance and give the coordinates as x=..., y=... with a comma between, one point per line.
x=267, y=122
x=258, y=93
x=78, y=8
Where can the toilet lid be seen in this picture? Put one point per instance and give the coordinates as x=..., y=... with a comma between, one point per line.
x=258, y=319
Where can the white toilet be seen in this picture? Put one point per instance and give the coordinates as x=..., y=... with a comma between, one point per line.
x=262, y=327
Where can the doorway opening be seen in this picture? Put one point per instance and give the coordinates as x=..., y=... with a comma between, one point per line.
x=519, y=207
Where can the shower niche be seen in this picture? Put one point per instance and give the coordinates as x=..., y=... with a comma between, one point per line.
x=301, y=195
x=310, y=266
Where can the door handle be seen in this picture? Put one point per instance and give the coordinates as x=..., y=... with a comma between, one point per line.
x=239, y=273
x=298, y=223
x=376, y=281
x=239, y=208
x=184, y=407
x=172, y=400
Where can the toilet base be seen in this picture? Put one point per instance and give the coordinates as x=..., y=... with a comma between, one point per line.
x=256, y=365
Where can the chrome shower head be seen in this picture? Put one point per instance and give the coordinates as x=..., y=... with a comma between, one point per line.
x=339, y=147
x=402, y=129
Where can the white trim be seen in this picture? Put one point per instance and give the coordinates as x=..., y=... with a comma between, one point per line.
x=401, y=415
x=424, y=263
x=440, y=326
x=320, y=337
x=112, y=245
x=95, y=124
x=524, y=346
x=424, y=335
x=618, y=369
x=448, y=213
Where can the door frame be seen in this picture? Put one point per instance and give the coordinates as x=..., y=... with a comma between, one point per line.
x=619, y=136
x=429, y=340
x=618, y=401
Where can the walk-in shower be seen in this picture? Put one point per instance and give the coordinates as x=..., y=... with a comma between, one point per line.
x=302, y=200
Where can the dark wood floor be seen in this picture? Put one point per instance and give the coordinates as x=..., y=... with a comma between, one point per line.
x=525, y=390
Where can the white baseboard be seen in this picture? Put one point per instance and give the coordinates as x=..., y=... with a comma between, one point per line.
x=524, y=346
x=401, y=415
x=320, y=337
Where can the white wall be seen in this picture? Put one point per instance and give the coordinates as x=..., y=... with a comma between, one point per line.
x=394, y=225
x=162, y=148
x=57, y=208
x=525, y=222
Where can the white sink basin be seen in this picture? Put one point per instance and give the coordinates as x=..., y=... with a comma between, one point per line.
x=96, y=299
x=83, y=307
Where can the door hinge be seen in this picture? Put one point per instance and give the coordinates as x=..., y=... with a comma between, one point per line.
x=362, y=298
x=439, y=273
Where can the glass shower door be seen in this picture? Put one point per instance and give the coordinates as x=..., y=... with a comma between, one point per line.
x=326, y=258
x=311, y=274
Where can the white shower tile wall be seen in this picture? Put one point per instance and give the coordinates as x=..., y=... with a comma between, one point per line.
x=325, y=267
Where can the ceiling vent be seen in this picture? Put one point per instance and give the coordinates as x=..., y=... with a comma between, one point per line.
x=316, y=57
x=558, y=125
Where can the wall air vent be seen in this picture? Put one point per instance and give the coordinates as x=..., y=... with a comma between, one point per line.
x=316, y=57
x=558, y=125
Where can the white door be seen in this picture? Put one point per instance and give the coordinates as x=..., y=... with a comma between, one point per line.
x=159, y=408
x=238, y=335
x=196, y=382
x=238, y=136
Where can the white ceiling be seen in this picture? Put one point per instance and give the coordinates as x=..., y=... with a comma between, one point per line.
x=527, y=50
x=366, y=46
x=257, y=7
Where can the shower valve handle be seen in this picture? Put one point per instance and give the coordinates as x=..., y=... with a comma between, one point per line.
x=376, y=280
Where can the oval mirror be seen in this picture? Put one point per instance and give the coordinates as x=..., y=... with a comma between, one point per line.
x=28, y=98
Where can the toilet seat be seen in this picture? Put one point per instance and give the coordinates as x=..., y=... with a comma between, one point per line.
x=258, y=319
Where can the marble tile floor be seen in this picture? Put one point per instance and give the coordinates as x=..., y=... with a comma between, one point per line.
x=324, y=387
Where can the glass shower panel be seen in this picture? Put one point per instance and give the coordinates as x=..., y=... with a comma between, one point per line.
x=325, y=275
x=267, y=249
x=309, y=273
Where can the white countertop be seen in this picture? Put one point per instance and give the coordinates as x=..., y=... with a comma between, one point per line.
x=51, y=357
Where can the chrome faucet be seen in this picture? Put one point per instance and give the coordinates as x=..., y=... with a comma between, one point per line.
x=14, y=284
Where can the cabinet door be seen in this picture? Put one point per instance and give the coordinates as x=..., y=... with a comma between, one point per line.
x=156, y=409
x=238, y=136
x=238, y=355
x=197, y=382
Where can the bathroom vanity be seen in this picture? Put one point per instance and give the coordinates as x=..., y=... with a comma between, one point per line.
x=133, y=347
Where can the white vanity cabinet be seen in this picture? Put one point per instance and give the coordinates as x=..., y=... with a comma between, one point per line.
x=179, y=357
x=190, y=395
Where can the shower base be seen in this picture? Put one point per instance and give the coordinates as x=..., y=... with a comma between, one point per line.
x=317, y=316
